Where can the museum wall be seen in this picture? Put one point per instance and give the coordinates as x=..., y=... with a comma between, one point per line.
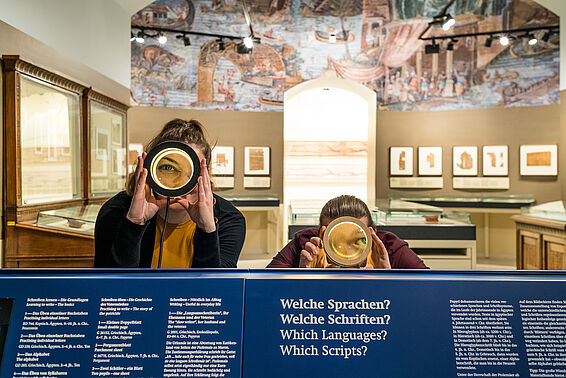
x=494, y=126
x=225, y=128
x=84, y=30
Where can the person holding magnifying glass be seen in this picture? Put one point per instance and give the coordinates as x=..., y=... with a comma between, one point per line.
x=203, y=230
x=306, y=249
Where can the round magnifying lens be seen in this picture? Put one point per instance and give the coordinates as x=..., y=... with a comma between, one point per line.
x=173, y=169
x=347, y=242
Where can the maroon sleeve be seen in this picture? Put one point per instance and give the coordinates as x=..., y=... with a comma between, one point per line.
x=400, y=255
x=290, y=255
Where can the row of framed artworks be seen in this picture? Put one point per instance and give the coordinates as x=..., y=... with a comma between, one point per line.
x=535, y=160
x=256, y=161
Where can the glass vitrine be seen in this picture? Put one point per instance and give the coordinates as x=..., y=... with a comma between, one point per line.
x=107, y=150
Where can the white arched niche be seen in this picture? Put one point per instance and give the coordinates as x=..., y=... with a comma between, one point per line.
x=329, y=141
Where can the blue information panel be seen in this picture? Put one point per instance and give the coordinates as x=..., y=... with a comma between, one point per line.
x=405, y=325
x=347, y=323
x=122, y=325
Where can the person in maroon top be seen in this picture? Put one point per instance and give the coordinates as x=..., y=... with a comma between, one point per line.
x=388, y=251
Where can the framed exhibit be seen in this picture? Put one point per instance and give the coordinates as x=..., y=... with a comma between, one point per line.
x=134, y=150
x=401, y=161
x=465, y=160
x=102, y=141
x=118, y=161
x=223, y=161
x=256, y=161
x=495, y=160
x=538, y=160
x=430, y=161
x=117, y=131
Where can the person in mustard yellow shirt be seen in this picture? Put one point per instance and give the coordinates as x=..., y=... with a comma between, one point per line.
x=203, y=229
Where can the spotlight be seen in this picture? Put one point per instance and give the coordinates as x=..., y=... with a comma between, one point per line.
x=450, y=46
x=332, y=37
x=132, y=37
x=546, y=36
x=186, y=40
x=248, y=42
x=504, y=40
x=532, y=40
x=241, y=48
x=220, y=42
x=449, y=21
x=140, y=37
x=162, y=39
x=489, y=41
x=432, y=49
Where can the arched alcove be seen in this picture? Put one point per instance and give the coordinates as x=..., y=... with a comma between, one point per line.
x=329, y=140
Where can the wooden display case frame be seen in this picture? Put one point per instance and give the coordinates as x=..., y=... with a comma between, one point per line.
x=27, y=245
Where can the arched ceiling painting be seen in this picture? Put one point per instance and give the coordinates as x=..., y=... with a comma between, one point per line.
x=382, y=51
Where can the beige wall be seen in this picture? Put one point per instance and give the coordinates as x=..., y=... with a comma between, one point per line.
x=510, y=126
x=494, y=126
x=236, y=129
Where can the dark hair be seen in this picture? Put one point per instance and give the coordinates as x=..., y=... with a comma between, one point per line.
x=345, y=206
x=190, y=132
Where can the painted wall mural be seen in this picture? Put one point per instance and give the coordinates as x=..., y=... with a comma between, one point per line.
x=376, y=45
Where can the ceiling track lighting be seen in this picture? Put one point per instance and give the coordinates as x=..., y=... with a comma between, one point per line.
x=162, y=39
x=504, y=36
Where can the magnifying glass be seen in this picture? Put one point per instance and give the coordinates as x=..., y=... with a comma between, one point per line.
x=173, y=169
x=347, y=242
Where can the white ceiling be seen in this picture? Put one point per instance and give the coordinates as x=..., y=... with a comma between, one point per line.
x=132, y=6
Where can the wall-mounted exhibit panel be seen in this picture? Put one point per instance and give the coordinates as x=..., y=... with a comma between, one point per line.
x=227, y=323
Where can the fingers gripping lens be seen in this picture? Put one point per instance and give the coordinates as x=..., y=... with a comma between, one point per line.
x=347, y=242
x=173, y=169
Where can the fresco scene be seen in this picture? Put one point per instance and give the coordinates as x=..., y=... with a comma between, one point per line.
x=376, y=45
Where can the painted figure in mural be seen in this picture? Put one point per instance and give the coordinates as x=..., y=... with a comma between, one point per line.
x=306, y=250
x=424, y=86
x=205, y=230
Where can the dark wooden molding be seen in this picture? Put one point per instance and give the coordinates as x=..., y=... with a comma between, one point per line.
x=105, y=100
x=14, y=63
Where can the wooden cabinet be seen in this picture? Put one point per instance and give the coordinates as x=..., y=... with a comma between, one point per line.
x=65, y=146
x=541, y=243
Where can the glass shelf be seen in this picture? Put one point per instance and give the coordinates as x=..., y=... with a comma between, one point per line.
x=385, y=212
x=550, y=210
x=75, y=219
x=486, y=200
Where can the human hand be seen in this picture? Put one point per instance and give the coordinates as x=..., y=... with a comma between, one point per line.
x=379, y=257
x=313, y=256
x=201, y=210
x=144, y=206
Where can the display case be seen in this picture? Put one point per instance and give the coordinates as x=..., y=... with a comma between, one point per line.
x=74, y=219
x=55, y=131
x=471, y=201
x=541, y=236
x=443, y=239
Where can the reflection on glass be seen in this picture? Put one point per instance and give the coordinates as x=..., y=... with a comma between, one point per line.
x=50, y=132
x=347, y=240
x=108, y=163
x=172, y=169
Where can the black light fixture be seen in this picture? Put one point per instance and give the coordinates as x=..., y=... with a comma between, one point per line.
x=220, y=43
x=450, y=45
x=546, y=36
x=489, y=41
x=244, y=45
x=432, y=49
x=140, y=37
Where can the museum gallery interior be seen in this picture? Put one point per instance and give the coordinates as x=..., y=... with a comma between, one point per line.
x=441, y=123
x=444, y=116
